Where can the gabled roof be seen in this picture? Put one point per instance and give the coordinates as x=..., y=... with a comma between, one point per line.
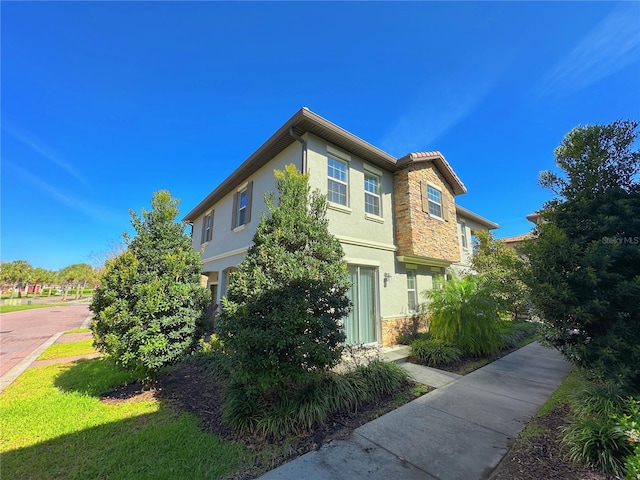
x=441, y=164
x=305, y=121
x=463, y=212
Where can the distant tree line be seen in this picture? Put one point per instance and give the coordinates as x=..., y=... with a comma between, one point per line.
x=19, y=275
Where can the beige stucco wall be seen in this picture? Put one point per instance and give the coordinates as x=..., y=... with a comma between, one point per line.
x=417, y=232
x=463, y=266
x=352, y=221
x=228, y=247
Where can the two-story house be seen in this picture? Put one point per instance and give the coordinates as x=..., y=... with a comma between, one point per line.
x=396, y=219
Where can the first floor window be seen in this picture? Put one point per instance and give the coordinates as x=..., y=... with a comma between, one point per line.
x=337, y=181
x=411, y=291
x=372, y=193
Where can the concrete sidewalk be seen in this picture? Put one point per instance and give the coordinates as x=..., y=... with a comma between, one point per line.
x=461, y=430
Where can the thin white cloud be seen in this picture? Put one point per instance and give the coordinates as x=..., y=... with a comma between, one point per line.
x=433, y=113
x=612, y=45
x=445, y=99
x=44, y=151
x=87, y=208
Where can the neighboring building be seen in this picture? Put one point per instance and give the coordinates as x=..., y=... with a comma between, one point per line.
x=517, y=240
x=396, y=219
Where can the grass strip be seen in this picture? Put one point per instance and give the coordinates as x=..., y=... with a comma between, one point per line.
x=17, y=308
x=62, y=350
x=79, y=330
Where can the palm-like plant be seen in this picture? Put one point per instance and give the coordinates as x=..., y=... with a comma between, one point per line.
x=465, y=312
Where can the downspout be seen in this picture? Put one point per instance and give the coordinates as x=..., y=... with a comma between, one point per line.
x=304, y=148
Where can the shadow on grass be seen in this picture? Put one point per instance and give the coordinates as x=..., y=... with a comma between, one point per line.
x=154, y=445
x=92, y=377
x=115, y=441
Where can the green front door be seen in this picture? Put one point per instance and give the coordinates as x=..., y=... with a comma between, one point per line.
x=361, y=324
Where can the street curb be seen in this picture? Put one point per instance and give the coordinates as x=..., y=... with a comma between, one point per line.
x=9, y=377
x=87, y=322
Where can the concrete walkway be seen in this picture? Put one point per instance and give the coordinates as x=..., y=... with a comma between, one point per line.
x=460, y=431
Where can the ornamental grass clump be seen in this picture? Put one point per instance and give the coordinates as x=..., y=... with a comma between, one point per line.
x=434, y=353
x=465, y=313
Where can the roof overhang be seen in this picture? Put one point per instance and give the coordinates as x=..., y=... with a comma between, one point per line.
x=476, y=218
x=441, y=164
x=302, y=122
x=421, y=260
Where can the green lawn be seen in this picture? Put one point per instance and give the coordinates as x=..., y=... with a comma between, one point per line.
x=55, y=426
x=79, y=330
x=17, y=308
x=62, y=350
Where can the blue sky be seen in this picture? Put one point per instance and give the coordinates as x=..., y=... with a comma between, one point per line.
x=105, y=103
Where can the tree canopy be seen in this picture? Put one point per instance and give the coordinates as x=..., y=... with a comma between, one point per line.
x=585, y=261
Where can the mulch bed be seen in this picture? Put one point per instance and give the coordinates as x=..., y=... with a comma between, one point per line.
x=190, y=388
x=541, y=457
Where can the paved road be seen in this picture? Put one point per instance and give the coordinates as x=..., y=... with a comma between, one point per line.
x=23, y=332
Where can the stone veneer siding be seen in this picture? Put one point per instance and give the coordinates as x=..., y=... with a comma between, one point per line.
x=418, y=233
x=392, y=327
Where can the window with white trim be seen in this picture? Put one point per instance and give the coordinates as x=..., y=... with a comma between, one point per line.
x=242, y=206
x=337, y=181
x=435, y=201
x=463, y=234
x=372, y=193
x=207, y=228
x=412, y=296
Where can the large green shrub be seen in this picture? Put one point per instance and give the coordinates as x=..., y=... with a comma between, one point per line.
x=281, y=320
x=465, y=313
x=149, y=307
x=585, y=261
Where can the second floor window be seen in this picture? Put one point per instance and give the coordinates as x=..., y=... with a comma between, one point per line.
x=207, y=228
x=242, y=206
x=411, y=291
x=372, y=194
x=435, y=201
x=463, y=235
x=337, y=183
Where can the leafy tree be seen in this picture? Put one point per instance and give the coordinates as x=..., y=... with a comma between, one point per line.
x=38, y=276
x=16, y=274
x=585, y=263
x=280, y=322
x=496, y=262
x=465, y=313
x=70, y=277
x=149, y=307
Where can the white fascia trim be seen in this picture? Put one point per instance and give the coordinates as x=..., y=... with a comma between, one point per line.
x=231, y=253
x=365, y=243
